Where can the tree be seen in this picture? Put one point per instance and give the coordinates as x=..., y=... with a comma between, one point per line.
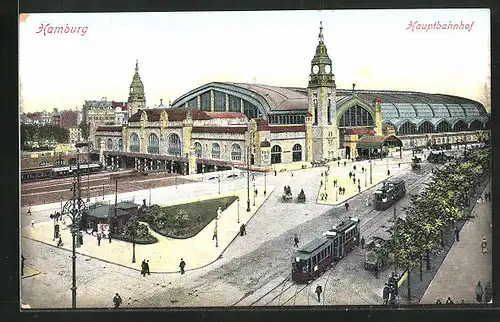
x=85, y=129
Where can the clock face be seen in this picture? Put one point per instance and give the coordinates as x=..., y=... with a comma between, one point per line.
x=315, y=69
x=327, y=69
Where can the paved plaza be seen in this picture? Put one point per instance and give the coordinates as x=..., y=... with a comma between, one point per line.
x=241, y=271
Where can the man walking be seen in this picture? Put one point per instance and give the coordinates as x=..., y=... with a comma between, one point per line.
x=182, y=265
x=109, y=237
x=346, y=206
x=147, y=267
x=359, y=188
x=318, y=292
x=457, y=233
x=484, y=245
x=98, y=239
x=479, y=292
x=296, y=241
x=143, y=268
x=362, y=242
x=117, y=300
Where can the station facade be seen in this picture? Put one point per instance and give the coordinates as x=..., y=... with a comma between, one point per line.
x=221, y=125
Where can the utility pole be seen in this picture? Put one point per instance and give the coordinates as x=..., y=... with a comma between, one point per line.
x=370, y=160
x=219, y=183
x=395, y=236
x=265, y=183
x=248, y=178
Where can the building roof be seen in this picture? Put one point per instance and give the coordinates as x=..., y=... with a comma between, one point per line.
x=313, y=245
x=219, y=129
x=126, y=205
x=179, y=114
x=287, y=128
x=105, y=211
x=109, y=128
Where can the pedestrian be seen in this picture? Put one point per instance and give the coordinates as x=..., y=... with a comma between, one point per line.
x=376, y=270
x=367, y=201
x=388, y=173
x=117, y=300
x=143, y=268
x=275, y=173
x=321, y=196
x=296, y=241
x=343, y=190
x=484, y=245
x=256, y=192
x=321, y=183
x=457, y=233
x=253, y=177
x=346, y=206
x=215, y=233
x=29, y=212
x=326, y=195
x=438, y=301
x=359, y=188
x=359, y=181
x=449, y=301
x=22, y=265
x=362, y=242
x=480, y=200
x=321, y=174
x=147, y=267
x=291, y=173
x=338, y=163
x=353, y=180
x=385, y=294
x=354, y=167
x=319, y=290
x=182, y=264
x=350, y=174
x=345, y=162
x=488, y=292
x=479, y=292
x=98, y=239
x=109, y=237
x=335, y=182
x=32, y=223
x=399, y=165
x=59, y=242
x=244, y=229
x=80, y=238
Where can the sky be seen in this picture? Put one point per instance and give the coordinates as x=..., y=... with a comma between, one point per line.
x=178, y=52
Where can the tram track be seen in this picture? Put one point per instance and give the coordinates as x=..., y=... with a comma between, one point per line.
x=380, y=220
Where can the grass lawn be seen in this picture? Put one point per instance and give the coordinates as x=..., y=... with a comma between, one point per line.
x=184, y=220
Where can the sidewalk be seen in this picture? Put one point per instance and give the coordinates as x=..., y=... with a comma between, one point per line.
x=164, y=256
x=465, y=264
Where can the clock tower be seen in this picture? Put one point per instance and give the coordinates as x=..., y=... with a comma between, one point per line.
x=136, y=97
x=323, y=139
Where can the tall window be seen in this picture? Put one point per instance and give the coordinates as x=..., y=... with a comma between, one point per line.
x=174, y=145
x=120, y=145
x=329, y=111
x=356, y=116
x=135, y=144
x=426, y=127
x=297, y=153
x=153, y=144
x=276, y=154
x=109, y=145
x=234, y=104
x=476, y=125
x=407, y=128
x=215, y=151
x=315, y=112
x=235, y=152
x=99, y=141
x=197, y=149
x=443, y=127
x=219, y=101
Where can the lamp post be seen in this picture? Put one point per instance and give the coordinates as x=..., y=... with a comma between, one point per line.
x=248, y=178
x=150, y=194
x=265, y=183
x=103, y=191
x=88, y=172
x=254, y=194
x=216, y=234
x=370, y=160
x=366, y=176
x=238, y=209
x=219, y=183
x=73, y=209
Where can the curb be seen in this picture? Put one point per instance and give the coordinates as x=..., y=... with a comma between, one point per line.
x=138, y=270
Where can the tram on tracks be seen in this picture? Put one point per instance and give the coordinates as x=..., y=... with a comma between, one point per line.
x=57, y=172
x=319, y=255
x=390, y=193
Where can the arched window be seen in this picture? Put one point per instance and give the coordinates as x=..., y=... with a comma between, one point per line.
x=276, y=154
x=235, y=152
x=356, y=116
x=460, y=126
x=329, y=112
x=297, y=153
x=476, y=125
x=120, y=145
x=315, y=112
x=135, y=144
x=174, y=145
x=443, y=126
x=153, y=144
x=426, y=127
x=99, y=142
x=197, y=150
x=215, y=151
x=407, y=128
x=109, y=145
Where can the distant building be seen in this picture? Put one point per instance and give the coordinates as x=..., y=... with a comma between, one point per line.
x=75, y=134
x=104, y=113
x=68, y=119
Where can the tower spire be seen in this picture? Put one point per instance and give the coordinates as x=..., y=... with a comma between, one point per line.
x=137, y=65
x=320, y=36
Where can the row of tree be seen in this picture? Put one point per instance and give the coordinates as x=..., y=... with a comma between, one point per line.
x=41, y=133
x=436, y=210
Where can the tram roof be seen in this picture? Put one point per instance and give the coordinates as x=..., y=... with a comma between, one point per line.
x=376, y=141
x=313, y=245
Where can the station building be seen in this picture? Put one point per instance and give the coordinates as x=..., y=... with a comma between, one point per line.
x=221, y=124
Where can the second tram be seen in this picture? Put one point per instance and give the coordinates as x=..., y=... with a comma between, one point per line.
x=319, y=255
x=390, y=193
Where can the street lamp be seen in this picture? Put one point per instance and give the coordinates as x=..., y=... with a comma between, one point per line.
x=216, y=235
x=366, y=176
x=370, y=161
x=73, y=209
x=219, y=183
x=238, y=209
x=265, y=183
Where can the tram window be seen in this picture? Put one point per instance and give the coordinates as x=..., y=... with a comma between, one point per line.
x=314, y=260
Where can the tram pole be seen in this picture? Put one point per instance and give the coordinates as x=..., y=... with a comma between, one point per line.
x=395, y=253
x=238, y=209
x=88, y=172
x=370, y=160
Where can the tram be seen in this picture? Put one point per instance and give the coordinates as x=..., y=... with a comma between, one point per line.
x=390, y=193
x=58, y=172
x=319, y=255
